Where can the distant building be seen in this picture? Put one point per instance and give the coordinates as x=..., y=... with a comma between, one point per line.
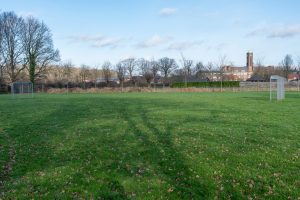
x=250, y=65
x=233, y=73
x=256, y=78
x=293, y=77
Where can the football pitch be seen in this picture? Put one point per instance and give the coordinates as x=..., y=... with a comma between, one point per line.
x=150, y=146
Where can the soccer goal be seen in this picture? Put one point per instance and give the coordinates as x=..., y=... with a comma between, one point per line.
x=18, y=88
x=277, y=82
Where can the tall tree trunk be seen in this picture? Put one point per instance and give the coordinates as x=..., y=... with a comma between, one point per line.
x=32, y=66
x=221, y=84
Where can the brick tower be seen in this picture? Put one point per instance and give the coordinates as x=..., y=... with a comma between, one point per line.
x=250, y=62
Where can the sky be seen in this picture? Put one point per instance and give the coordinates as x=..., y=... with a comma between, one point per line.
x=94, y=31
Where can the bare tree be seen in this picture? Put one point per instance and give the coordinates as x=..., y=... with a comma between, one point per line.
x=94, y=74
x=12, y=49
x=154, y=67
x=259, y=61
x=199, y=70
x=187, y=68
x=210, y=70
x=222, y=61
x=167, y=65
x=179, y=75
x=261, y=71
x=121, y=72
x=84, y=74
x=286, y=65
x=67, y=70
x=145, y=67
x=38, y=48
x=130, y=64
x=106, y=70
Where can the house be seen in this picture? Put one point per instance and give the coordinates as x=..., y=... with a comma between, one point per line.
x=293, y=77
x=256, y=78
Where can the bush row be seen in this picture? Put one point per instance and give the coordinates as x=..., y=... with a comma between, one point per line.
x=207, y=84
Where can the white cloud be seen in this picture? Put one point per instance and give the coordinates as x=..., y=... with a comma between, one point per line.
x=285, y=32
x=167, y=11
x=155, y=40
x=179, y=46
x=278, y=31
x=107, y=42
x=86, y=38
x=97, y=41
x=256, y=32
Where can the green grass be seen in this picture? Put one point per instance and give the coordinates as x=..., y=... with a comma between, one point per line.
x=150, y=146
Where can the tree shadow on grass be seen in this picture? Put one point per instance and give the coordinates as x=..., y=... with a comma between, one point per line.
x=37, y=153
x=171, y=163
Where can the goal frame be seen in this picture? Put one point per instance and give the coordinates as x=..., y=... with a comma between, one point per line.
x=21, y=88
x=280, y=81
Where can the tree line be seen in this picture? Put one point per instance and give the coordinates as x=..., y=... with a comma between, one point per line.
x=163, y=71
x=27, y=53
x=166, y=70
x=136, y=70
x=287, y=66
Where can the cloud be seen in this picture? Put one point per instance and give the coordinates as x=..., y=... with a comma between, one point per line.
x=179, y=46
x=167, y=11
x=155, y=40
x=97, y=41
x=257, y=32
x=278, y=31
x=285, y=32
x=86, y=38
x=107, y=42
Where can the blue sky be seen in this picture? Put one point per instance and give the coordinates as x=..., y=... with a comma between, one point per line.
x=93, y=31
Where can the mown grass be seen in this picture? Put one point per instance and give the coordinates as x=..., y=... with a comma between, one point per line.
x=150, y=146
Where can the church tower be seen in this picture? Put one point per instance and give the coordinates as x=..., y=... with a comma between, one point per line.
x=250, y=66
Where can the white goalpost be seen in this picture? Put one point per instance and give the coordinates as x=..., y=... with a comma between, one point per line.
x=22, y=88
x=279, y=83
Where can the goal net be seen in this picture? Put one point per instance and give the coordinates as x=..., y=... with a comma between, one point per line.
x=278, y=83
x=18, y=88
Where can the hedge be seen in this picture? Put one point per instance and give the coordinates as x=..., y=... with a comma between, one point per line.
x=207, y=84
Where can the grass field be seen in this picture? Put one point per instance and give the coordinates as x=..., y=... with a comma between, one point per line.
x=150, y=146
